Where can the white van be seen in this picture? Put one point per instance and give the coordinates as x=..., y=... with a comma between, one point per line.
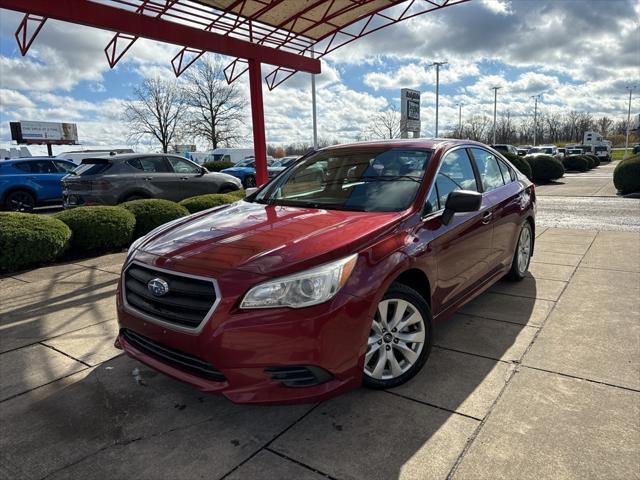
x=79, y=155
x=233, y=155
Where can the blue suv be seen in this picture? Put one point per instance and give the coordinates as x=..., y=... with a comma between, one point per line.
x=26, y=183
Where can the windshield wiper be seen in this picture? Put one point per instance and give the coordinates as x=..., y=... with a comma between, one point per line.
x=389, y=178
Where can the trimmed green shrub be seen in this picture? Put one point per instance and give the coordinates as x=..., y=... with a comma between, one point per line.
x=595, y=161
x=237, y=194
x=99, y=228
x=204, y=202
x=217, y=166
x=28, y=240
x=545, y=168
x=522, y=165
x=626, y=176
x=576, y=162
x=153, y=212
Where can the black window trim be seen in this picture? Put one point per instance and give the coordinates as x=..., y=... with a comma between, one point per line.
x=479, y=178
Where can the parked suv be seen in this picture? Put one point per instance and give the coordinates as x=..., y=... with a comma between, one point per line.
x=119, y=178
x=505, y=148
x=26, y=183
x=316, y=284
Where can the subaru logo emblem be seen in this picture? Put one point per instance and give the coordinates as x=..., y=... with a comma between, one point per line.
x=158, y=287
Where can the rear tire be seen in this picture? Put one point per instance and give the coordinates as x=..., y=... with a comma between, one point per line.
x=522, y=255
x=249, y=181
x=20, y=201
x=399, y=340
x=133, y=197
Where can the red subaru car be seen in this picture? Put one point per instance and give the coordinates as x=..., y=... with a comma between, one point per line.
x=330, y=276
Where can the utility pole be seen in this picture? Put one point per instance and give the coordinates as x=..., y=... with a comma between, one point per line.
x=535, y=117
x=495, y=106
x=459, y=105
x=631, y=88
x=437, y=65
x=313, y=107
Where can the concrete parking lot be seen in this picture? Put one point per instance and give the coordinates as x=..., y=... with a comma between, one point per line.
x=538, y=379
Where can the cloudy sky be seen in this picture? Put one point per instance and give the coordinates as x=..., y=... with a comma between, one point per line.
x=581, y=53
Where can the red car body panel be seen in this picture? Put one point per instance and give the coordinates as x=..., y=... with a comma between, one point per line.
x=247, y=243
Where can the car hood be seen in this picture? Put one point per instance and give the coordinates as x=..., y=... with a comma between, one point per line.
x=265, y=239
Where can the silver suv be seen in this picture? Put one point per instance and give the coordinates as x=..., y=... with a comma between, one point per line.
x=114, y=179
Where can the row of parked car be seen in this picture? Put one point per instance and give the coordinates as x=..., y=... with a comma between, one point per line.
x=601, y=151
x=26, y=183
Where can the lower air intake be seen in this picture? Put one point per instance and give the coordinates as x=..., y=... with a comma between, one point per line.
x=299, y=376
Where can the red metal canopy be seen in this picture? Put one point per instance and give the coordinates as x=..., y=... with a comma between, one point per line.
x=282, y=33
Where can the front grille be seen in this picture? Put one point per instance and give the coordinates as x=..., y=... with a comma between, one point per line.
x=180, y=360
x=186, y=304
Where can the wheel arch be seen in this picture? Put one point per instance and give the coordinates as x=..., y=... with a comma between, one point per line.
x=141, y=193
x=18, y=188
x=417, y=280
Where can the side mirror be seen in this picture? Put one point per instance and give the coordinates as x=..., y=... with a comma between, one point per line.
x=460, y=201
x=203, y=171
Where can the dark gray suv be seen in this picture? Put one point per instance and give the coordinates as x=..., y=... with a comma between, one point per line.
x=114, y=179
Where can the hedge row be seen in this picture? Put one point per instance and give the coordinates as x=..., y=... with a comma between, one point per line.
x=520, y=164
x=217, y=166
x=544, y=168
x=28, y=240
x=626, y=176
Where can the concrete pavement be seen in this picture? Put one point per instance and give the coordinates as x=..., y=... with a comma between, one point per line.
x=537, y=379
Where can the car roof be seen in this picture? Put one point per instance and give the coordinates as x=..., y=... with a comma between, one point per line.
x=426, y=143
x=32, y=159
x=122, y=157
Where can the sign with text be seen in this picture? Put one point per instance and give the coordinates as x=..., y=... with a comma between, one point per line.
x=409, y=112
x=44, y=132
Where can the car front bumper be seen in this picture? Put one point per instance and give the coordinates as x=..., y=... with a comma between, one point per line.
x=246, y=347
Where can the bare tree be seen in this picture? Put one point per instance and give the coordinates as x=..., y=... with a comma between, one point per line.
x=156, y=111
x=477, y=128
x=216, y=109
x=604, y=124
x=384, y=125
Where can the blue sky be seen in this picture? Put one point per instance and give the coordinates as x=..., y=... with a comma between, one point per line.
x=582, y=53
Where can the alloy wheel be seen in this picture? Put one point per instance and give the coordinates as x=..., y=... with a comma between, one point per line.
x=524, y=249
x=20, y=202
x=396, y=339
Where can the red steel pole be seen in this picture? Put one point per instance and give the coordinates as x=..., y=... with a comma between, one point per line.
x=257, y=115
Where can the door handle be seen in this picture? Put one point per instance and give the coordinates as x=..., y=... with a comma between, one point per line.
x=486, y=218
x=148, y=179
x=184, y=178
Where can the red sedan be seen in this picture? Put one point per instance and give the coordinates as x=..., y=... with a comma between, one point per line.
x=330, y=276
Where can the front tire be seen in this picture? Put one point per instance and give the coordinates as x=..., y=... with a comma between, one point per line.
x=522, y=255
x=399, y=340
x=249, y=181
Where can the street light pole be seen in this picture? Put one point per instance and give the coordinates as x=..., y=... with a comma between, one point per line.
x=495, y=106
x=313, y=107
x=437, y=65
x=626, y=143
x=535, y=117
x=459, y=105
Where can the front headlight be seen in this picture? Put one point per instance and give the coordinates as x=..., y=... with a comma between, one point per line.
x=134, y=246
x=311, y=287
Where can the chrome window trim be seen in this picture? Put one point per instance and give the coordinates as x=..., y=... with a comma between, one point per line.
x=172, y=326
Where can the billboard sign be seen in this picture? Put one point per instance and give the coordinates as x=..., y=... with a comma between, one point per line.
x=410, y=110
x=44, y=132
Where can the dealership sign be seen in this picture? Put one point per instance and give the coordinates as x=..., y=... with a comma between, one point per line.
x=44, y=132
x=409, y=112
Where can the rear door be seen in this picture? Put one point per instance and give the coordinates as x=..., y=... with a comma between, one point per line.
x=462, y=249
x=155, y=176
x=502, y=194
x=190, y=180
x=45, y=179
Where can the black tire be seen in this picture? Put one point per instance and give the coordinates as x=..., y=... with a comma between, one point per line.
x=400, y=292
x=249, y=181
x=135, y=196
x=20, y=201
x=519, y=270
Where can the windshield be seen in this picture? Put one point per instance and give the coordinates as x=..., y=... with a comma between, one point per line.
x=359, y=180
x=541, y=150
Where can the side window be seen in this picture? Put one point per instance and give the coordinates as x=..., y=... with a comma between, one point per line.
x=24, y=166
x=226, y=158
x=64, y=167
x=43, y=166
x=507, y=174
x=456, y=173
x=488, y=168
x=182, y=166
x=154, y=165
x=432, y=202
x=135, y=163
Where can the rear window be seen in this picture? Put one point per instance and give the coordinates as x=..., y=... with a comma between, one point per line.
x=92, y=166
